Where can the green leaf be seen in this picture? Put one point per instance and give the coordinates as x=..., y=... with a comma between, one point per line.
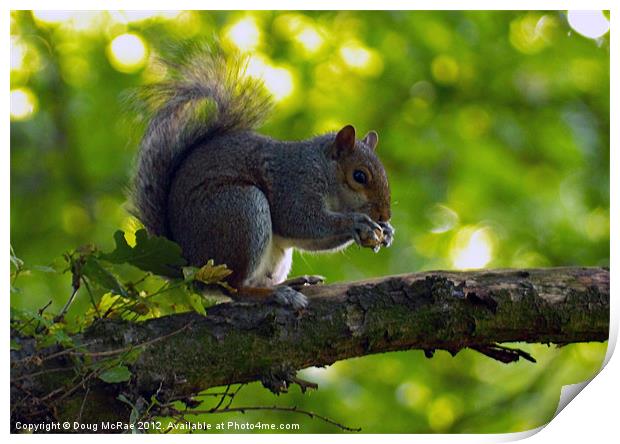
x=134, y=415
x=116, y=374
x=124, y=399
x=175, y=301
x=105, y=303
x=151, y=253
x=189, y=273
x=15, y=345
x=195, y=301
x=98, y=275
x=209, y=274
x=212, y=274
x=132, y=356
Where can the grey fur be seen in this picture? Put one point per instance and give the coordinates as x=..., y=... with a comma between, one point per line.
x=226, y=193
x=204, y=95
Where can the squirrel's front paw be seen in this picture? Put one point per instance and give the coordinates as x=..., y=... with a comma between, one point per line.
x=288, y=297
x=388, y=233
x=366, y=232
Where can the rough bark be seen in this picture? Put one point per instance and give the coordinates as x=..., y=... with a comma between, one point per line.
x=235, y=343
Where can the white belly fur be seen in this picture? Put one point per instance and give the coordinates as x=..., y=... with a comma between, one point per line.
x=275, y=265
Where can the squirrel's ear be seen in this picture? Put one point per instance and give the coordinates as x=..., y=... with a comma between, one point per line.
x=345, y=140
x=371, y=139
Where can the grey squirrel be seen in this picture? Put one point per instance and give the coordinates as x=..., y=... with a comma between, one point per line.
x=207, y=181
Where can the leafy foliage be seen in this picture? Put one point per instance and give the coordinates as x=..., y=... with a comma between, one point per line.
x=154, y=254
x=102, y=278
x=110, y=295
x=120, y=373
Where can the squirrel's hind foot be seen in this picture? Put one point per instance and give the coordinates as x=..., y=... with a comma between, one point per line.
x=281, y=295
x=290, y=297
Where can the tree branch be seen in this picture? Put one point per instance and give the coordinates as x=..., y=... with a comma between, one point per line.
x=238, y=343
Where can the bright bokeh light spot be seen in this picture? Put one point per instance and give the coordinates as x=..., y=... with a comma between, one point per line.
x=127, y=53
x=445, y=70
x=302, y=30
x=278, y=80
x=414, y=395
x=322, y=375
x=361, y=59
x=592, y=24
x=532, y=33
x=18, y=51
x=53, y=16
x=24, y=57
x=310, y=39
x=440, y=414
x=23, y=104
x=86, y=20
x=138, y=16
x=244, y=34
x=355, y=55
x=442, y=218
x=472, y=248
x=77, y=20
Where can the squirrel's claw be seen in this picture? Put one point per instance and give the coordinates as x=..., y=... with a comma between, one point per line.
x=388, y=233
x=366, y=231
x=371, y=234
x=288, y=297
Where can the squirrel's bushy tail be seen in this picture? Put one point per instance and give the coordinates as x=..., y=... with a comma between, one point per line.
x=204, y=95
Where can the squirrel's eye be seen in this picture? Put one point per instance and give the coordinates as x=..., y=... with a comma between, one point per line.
x=360, y=177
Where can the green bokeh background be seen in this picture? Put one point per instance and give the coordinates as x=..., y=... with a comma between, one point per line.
x=494, y=130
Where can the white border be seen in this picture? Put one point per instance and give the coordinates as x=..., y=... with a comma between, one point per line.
x=592, y=417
